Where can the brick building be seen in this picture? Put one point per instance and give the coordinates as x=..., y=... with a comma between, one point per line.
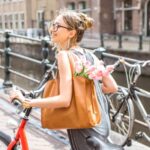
x=115, y=16
x=26, y=16
x=111, y=16
x=132, y=16
x=97, y=10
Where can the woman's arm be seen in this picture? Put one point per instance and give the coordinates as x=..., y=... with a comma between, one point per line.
x=109, y=85
x=64, y=98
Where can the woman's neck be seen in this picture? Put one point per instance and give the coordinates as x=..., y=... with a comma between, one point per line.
x=75, y=46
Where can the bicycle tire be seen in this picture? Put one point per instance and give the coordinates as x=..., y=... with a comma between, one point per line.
x=123, y=122
x=4, y=141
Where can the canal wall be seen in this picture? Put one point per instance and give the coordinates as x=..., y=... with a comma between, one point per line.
x=35, y=51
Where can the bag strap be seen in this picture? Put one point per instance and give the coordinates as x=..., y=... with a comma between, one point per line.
x=99, y=92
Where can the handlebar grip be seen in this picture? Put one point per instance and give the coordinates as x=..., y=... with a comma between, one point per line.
x=16, y=102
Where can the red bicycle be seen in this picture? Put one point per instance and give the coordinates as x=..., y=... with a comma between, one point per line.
x=19, y=142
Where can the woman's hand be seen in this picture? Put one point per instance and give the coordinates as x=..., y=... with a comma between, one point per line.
x=16, y=94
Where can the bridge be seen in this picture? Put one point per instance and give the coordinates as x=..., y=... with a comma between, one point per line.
x=9, y=74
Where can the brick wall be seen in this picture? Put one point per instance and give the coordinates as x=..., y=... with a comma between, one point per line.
x=106, y=17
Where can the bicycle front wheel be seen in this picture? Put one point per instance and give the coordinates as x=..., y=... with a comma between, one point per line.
x=122, y=117
x=4, y=141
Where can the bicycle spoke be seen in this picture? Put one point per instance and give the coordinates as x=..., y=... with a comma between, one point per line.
x=120, y=129
x=125, y=129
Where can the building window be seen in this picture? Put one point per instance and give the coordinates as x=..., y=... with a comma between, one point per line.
x=128, y=21
x=10, y=22
x=127, y=3
x=16, y=16
x=1, y=26
x=82, y=5
x=40, y=18
x=16, y=24
x=6, y=21
x=22, y=16
x=71, y=6
x=22, y=20
x=16, y=21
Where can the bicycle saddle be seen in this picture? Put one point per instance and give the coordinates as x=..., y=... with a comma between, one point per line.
x=100, y=144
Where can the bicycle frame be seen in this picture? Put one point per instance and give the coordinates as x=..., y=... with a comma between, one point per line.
x=20, y=135
x=133, y=91
x=140, y=92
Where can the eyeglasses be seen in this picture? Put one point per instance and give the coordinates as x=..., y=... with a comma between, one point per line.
x=55, y=26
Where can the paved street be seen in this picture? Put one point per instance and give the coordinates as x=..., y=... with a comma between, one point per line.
x=38, y=139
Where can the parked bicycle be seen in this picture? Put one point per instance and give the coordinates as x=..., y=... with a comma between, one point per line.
x=122, y=108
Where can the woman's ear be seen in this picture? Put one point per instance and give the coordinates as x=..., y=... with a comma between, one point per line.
x=72, y=33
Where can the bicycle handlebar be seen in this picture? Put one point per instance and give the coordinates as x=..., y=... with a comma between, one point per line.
x=146, y=63
x=35, y=93
x=123, y=61
x=136, y=67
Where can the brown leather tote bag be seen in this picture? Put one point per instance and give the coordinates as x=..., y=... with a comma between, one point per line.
x=84, y=109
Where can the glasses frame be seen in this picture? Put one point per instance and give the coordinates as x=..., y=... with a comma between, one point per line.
x=56, y=26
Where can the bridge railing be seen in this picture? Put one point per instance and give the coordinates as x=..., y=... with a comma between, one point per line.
x=121, y=38
x=119, y=41
x=8, y=53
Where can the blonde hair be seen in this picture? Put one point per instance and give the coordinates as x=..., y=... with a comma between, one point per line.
x=76, y=21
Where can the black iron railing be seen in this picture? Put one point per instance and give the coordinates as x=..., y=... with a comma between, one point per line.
x=7, y=51
x=121, y=38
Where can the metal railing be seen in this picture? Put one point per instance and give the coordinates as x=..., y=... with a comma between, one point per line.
x=45, y=52
x=8, y=53
x=119, y=41
x=121, y=38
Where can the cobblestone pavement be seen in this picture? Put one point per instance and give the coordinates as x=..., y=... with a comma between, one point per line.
x=37, y=139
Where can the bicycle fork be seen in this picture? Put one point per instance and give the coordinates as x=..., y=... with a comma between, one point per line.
x=20, y=137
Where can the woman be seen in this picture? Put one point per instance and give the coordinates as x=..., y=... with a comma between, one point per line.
x=66, y=32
